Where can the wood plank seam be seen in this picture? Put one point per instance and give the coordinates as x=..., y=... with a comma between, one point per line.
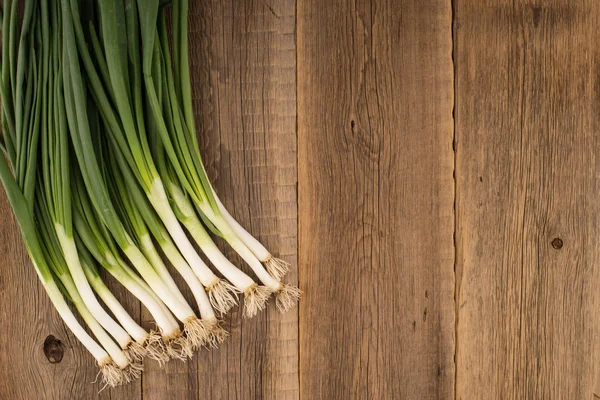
x=455, y=196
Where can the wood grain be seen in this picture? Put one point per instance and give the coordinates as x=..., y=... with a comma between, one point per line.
x=327, y=128
x=528, y=113
x=375, y=192
x=244, y=85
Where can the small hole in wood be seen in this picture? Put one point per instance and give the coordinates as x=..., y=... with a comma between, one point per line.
x=53, y=349
x=557, y=243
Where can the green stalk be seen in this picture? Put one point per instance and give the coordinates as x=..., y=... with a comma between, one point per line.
x=137, y=204
x=56, y=164
x=129, y=129
x=19, y=79
x=7, y=100
x=245, y=245
x=57, y=263
x=32, y=243
x=131, y=326
x=95, y=240
x=96, y=187
x=12, y=45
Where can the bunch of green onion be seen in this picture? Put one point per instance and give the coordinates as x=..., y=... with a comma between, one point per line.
x=103, y=171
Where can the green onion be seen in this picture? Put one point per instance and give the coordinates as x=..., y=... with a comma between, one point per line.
x=58, y=264
x=137, y=350
x=255, y=295
x=128, y=130
x=110, y=371
x=204, y=196
x=102, y=169
x=137, y=208
x=23, y=205
x=96, y=242
x=56, y=179
x=75, y=99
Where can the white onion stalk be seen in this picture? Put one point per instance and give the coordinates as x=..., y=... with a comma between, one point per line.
x=111, y=373
x=180, y=310
x=129, y=370
x=287, y=295
x=204, y=305
x=256, y=296
x=166, y=323
x=193, y=327
x=219, y=291
x=172, y=322
x=200, y=294
x=136, y=351
x=214, y=333
x=71, y=256
x=94, y=242
x=207, y=314
x=153, y=257
x=275, y=266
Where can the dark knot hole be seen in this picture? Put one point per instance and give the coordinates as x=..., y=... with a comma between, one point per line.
x=53, y=349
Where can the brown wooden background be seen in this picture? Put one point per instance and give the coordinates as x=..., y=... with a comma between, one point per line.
x=431, y=170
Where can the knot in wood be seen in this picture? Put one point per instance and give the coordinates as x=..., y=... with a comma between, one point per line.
x=53, y=349
x=557, y=243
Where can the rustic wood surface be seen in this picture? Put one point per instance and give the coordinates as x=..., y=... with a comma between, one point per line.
x=428, y=167
x=528, y=252
x=375, y=189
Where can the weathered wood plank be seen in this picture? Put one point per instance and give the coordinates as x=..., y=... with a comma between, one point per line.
x=528, y=257
x=375, y=199
x=243, y=59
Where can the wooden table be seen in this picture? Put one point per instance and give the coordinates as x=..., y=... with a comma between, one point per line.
x=431, y=170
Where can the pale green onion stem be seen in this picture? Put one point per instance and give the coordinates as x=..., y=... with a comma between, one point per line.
x=150, y=299
x=138, y=333
x=158, y=199
x=83, y=287
x=250, y=241
x=115, y=352
x=236, y=243
x=101, y=356
x=203, y=239
x=30, y=237
x=81, y=138
x=149, y=250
